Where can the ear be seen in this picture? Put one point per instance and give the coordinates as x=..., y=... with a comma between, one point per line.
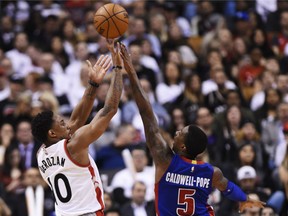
x=51, y=133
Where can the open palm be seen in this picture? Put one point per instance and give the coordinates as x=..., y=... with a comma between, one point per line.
x=100, y=68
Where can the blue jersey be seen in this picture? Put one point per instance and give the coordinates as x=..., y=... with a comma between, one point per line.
x=184, y=189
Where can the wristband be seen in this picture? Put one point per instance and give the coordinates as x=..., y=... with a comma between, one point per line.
x=117, y=67
x=94, y=84
x=234, y=193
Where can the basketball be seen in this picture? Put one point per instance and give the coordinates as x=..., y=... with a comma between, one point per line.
x=111, y=20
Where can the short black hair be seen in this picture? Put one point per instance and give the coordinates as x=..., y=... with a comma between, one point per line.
x=196, y=141
x=41, y=124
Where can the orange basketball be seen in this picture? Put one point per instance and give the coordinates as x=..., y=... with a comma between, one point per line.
x=111, y=20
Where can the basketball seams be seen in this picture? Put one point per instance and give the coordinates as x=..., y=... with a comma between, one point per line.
x=113, y=19
x=121, y=19
x=107, y=19
x=101, y=22
x=105, y=14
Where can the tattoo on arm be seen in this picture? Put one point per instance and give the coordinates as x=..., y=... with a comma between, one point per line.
x=90, y=92
x=114, y=92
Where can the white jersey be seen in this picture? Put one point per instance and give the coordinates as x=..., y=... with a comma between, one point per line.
x=77, y=188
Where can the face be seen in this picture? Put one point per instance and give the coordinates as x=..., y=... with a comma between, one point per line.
x=23, y=133
x=204, y=117
x=172, y=72
x=267, y=211
x=139, y=159
x=233, y=99
x=247, y=184
x=234, y=115
x=32, y=177
x=249, y=130
x=6, y=130
x=239, y=46
x=21, y=42
x=174, y=56
x=15, y=157
x=214, y=58
x=283, y=112
x=247, y=155
x=178, y=118
x=195, y=83
x=272, y=97
x=81, y=51
x=138, y=193
x=179, y=140
x=259, y=37
x=60, y=129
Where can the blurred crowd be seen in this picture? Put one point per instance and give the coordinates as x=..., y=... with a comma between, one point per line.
x=222, y=65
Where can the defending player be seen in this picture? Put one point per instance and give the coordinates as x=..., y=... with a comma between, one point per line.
x=63, y=159
x=182, y=184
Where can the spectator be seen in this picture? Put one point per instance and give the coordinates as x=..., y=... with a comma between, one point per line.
x=140, y=66
x=191, y=98
x=11, y=175
x=6, y=138
x=247, y=178
x=8, y=105
x=204, y=119
x=266, y=80
x=26, y=144
x=18, y=55
x=36, y=198
x=4, y=85
x=138, y=206
x=173, y=86
x=123, y=180
x=109, y=158
x=130, y=112
x=138, y=32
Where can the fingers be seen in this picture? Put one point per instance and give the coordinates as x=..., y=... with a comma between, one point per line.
x=99, y=59
x=102, y=60
x=107, y=63
x=110, y=41
x=118, y=48
x=89, y=63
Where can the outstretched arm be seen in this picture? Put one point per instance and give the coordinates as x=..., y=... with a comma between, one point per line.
x=96, y=74
x=84, y=136
x=233, y=192
x=159, y=149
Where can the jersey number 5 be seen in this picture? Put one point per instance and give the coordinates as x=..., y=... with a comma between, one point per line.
x=185, y=197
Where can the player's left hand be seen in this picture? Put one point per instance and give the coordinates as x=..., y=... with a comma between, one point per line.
x=98, y=71
x=249, y=203
x=116, y=58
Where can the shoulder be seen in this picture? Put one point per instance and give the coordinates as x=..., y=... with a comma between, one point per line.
x=217, y=173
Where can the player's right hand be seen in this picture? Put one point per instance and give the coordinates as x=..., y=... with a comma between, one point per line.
x=249, y=203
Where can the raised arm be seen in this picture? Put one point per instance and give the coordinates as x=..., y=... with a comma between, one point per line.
x=84, y=136
x=83, y=109
x=159, y=149
x=233, y=192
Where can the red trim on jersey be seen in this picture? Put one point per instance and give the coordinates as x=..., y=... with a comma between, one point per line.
x=192, y=161
x=69, y=156
x=210, y=210
x=100, y=213
x=156, y=190
x=97, y=189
